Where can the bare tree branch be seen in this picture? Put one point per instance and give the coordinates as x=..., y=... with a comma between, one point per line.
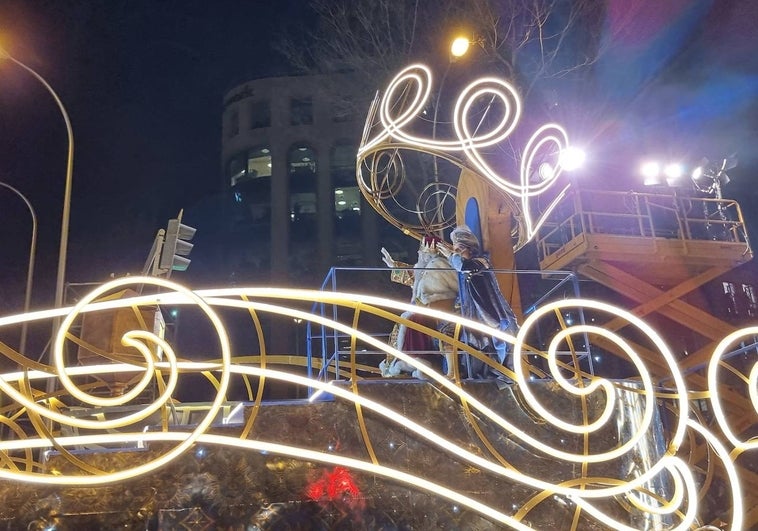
x=527, y=41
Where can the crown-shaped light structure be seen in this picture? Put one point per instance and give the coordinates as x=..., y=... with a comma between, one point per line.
x=392, y=130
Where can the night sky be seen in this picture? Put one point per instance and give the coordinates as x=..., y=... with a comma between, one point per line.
x=143, y=83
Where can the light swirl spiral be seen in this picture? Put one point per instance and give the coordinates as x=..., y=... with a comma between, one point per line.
x=138, y=339
x=583, y=389
x=713, y=386
x=485, y=114
x=497, y=90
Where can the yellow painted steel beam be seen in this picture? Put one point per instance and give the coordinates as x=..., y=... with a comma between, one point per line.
x=677, y=310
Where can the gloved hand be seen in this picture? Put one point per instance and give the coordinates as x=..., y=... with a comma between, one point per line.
x=387, y=258
x=444, y=250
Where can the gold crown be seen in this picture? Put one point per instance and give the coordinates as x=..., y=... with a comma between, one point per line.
x=429, y=244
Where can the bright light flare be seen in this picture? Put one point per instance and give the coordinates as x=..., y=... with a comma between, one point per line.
x=673, y=170
x=572, y=158
x=459, y=47
x=546, y=171
x=660, y=173
x=650, y=171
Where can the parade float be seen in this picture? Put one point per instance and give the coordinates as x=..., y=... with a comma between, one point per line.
x=94, y=437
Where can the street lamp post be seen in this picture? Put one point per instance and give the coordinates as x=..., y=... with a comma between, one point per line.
x=30, y=268
x=61, y=276
x=69, y=177
x=458, y=49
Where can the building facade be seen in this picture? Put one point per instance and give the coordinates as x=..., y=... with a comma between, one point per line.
x=288, y=160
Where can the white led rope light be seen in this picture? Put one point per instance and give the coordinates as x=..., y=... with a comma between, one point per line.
x=411, y=88
x=684, y=482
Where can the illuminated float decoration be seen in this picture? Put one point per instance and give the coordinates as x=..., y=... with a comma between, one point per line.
x=608, y=464
x=389, y=133
x=584, y=490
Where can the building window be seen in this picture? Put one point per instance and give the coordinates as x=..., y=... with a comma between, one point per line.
x=254, y=165
x=302, y=162
x=347, y=202
x=347, y=196
x=302, y=167
x=343, y=164
x=259, y=162
x=232, y=124
x=730, y=296
x=301, y=111
x=302, y=206
x=251, y=188
x=236, y=169
x=260, y=114
x=343, y=110
x=752, y=300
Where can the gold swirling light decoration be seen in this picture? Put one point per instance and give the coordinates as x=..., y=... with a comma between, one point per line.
x=136, y=339
x=669, y=464
x=601, y=384
x=580, y=487
x=388, y=133
x=752, y=385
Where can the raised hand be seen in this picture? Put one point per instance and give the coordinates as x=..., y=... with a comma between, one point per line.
x=387, y=258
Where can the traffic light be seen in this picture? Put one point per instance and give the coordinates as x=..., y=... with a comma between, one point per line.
x=176, y=246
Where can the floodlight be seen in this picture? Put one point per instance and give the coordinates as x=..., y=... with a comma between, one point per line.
x=572, y=158
x=650, y=171
x=697, y=173
x=546, y=171
x=709, y=177
x=673, y=170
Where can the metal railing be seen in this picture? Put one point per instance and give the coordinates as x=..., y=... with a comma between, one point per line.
x=331, y=347
x=642, y=215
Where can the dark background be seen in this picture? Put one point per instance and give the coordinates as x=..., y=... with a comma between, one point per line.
x=143, y=82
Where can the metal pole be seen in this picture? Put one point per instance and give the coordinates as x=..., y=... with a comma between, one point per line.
x=30, y=268
x=438, y=214
x=60, y=280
